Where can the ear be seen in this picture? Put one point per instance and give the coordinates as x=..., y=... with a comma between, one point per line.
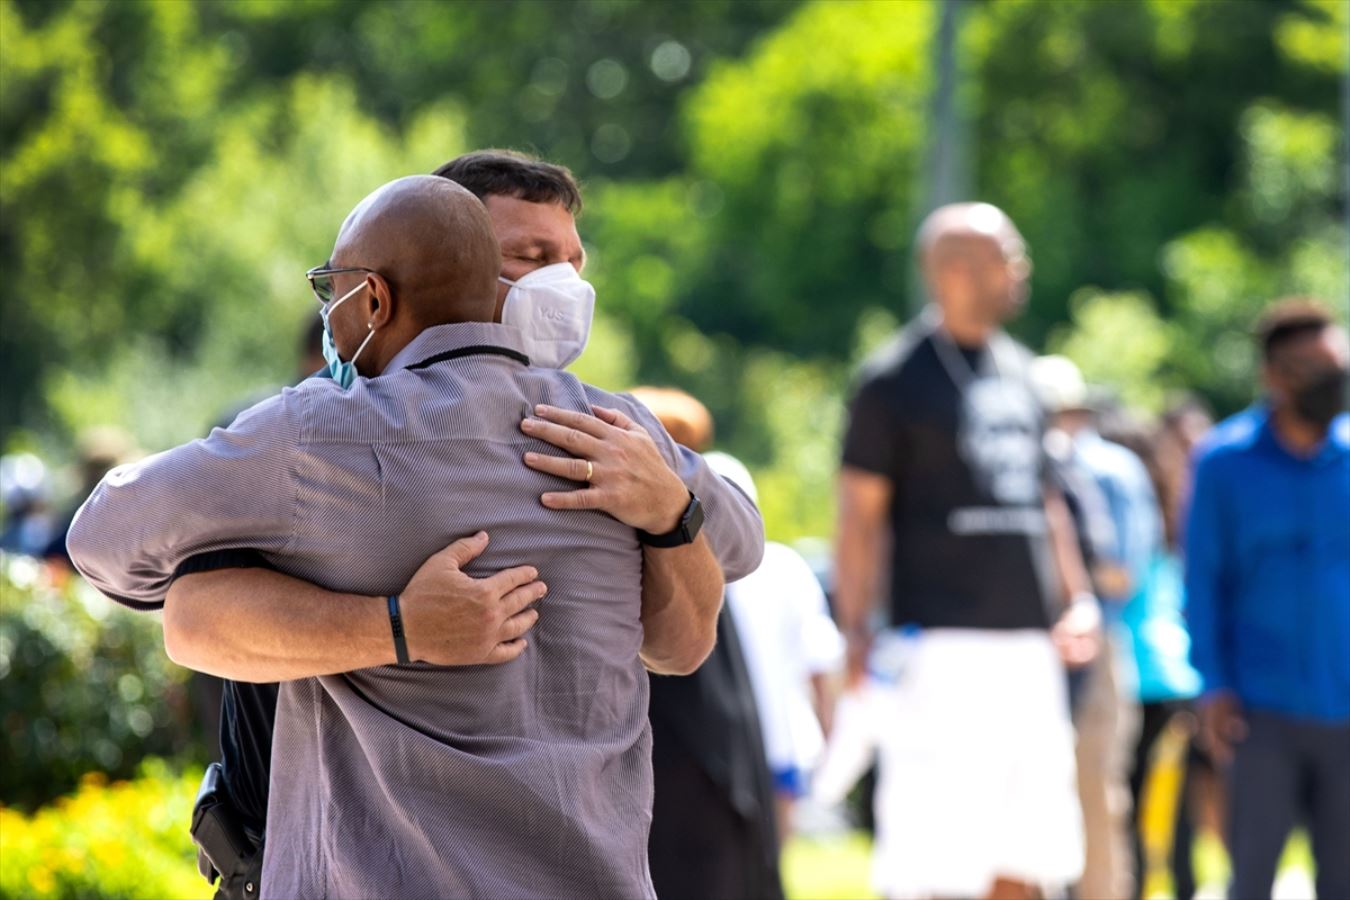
x=379, y=301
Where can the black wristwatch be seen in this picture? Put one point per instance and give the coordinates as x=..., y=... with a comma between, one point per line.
x=684, y=532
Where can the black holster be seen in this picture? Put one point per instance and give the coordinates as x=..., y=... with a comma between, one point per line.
x=225, y=848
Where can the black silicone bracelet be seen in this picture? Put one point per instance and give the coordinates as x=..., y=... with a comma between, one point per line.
x=396, y=623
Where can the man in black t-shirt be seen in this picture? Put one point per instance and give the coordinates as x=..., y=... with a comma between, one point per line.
x=944, y=455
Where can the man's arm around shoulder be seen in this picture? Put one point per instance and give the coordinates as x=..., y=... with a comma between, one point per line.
x=641, y=477
x=257, y=624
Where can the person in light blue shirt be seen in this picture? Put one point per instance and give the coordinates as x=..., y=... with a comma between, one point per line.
x=1133, y=505
x=1106, y=714
x=1268, y=602
x=1165, y=682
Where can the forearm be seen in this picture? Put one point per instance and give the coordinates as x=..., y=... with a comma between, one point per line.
x=681, y=598
x=822, y=700
x=260, y=625
x=858, y=553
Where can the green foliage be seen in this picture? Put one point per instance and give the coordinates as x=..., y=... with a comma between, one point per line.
x=86, y=687
x=813, y=142
x=118, y=841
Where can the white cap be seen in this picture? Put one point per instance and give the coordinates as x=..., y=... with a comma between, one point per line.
x=1059, y=384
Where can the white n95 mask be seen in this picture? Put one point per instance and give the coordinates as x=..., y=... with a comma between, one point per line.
x=553, y=307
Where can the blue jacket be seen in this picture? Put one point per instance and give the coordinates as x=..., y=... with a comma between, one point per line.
x=1268, y=569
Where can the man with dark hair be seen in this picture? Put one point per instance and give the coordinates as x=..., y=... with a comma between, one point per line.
x=531, y=204
x=508, y=173
x=410, y=770
x=1268, y=601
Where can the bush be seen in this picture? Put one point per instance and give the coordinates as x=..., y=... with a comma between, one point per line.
x=86, y=686
x=119, y=840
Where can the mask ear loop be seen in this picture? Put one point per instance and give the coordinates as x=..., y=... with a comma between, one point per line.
x=343, y=299
x=363, y=344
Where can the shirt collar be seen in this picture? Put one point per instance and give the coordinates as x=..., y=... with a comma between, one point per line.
x=444, y=338
x=1336, y=444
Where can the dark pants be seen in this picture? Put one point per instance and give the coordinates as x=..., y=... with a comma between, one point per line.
x=1286, y=771
x=1199, y=766
x=1154, y=721
x=701, y=848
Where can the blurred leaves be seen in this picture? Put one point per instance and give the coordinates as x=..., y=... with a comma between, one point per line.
x=1317, y=35
x=86, y=687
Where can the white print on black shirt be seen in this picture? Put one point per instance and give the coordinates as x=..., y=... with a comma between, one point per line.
x=997, y=520
x=1000, y=439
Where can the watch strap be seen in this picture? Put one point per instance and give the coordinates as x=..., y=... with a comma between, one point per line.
x=396, y=625
x=684, y=532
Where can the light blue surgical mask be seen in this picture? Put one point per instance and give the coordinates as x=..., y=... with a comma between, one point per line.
x=344, y=373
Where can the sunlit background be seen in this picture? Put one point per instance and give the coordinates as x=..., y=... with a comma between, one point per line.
x=753, y=173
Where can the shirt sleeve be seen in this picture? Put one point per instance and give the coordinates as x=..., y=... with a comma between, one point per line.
x=731, y=520
x=1207, y=578
x=1142, y=538
x=822, y=644
x=233, y=489
x=873, y=440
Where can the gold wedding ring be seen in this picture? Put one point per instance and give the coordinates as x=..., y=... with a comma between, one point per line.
x=590, y=469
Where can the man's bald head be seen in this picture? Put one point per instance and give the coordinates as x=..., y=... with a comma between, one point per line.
x=974, y=260
x=432, y=242
x=958, y=229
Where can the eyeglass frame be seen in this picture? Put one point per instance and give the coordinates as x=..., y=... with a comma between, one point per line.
x=326, y=270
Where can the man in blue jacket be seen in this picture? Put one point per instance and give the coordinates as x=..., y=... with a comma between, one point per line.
x=1268, y=599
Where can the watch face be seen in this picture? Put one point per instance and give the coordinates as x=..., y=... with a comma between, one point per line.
x=693, y=520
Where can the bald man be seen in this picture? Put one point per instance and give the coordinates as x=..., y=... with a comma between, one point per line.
x=405, y=777
x=942, y=461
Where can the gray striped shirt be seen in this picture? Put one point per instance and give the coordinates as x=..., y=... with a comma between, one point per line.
x=530, y=779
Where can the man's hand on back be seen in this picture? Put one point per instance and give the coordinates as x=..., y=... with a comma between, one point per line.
x=629, y=478
x=452, y=619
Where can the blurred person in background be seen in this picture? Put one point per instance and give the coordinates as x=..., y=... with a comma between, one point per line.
x=1268, y=602
x=943, y=455
x=25, y=495
x=1083, y=497
x=793, y=651
x=1166, y=682
x=714, y=831
x=1204, y=803
x=1107, y=717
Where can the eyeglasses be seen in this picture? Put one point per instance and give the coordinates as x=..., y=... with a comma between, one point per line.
x=321, y=279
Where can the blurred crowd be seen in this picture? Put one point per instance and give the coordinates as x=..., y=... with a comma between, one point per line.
x=1036, y=597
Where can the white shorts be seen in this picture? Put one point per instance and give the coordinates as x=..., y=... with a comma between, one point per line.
x=976, y=776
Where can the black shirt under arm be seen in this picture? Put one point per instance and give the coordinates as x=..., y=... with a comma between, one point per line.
x=958, y=433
